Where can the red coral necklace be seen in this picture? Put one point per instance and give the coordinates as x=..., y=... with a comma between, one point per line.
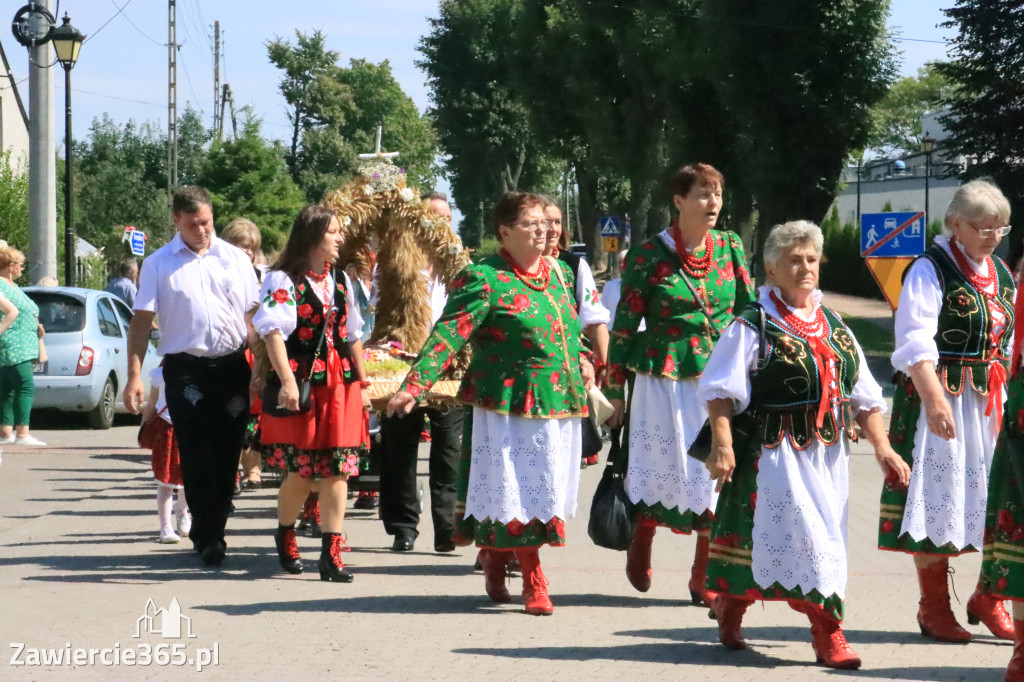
x=813, y=329
x=980, y=283
x=695, y=266
x=319, y=276
x=541, y=278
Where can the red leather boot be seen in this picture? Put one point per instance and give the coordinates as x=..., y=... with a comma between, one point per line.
x=1015, y=671
x=729, y=612
x=984, y=608
x=934, y=616
x=699, y=571
x=494, y=562
x=535, y=585
x=287, y=549
x=638, y=556
x=829, y=642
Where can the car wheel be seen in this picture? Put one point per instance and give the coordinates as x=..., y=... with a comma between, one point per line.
x=102, y=416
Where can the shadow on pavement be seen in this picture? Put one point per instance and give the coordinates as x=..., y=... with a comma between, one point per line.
x=398, y=604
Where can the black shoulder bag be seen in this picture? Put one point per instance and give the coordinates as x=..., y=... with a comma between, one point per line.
x=611, y=512
x=273, y=388
x=701, y=446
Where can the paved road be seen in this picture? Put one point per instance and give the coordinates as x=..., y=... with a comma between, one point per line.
x=79, y=561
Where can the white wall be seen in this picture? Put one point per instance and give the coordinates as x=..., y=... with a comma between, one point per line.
x=13, y=127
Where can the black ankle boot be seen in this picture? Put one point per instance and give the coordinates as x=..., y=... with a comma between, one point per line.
x=331, y=566
x=287, y=549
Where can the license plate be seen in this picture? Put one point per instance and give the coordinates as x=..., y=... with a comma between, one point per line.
x=40, y=367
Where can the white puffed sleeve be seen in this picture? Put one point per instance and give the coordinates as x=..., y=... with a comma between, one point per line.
x=588, y=300
x=354, y=318
x=917, y=318
x=867, y=394
x=727, y=374
x=277, y=305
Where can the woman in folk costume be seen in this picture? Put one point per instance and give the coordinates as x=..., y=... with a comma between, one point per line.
x=953, y=328
x=527, y=394
x=780, y=530
x=311, y=327
x=1002, y=569
x=688, y=282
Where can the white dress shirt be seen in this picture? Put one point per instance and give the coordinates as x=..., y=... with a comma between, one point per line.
x=200, y=301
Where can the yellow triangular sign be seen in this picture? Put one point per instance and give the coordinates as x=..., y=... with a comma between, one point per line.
x=888, y=273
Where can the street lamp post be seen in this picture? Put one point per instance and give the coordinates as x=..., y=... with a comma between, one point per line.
x=927, y=146
x=67, y=41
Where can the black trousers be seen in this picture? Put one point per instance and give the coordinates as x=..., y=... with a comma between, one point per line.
x=400, y=438
x=208, y=400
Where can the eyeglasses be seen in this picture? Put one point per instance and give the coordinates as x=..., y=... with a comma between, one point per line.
x=985, y=233
x=534, y=225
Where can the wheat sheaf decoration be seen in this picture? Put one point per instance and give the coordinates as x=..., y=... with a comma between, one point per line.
x=379, y=211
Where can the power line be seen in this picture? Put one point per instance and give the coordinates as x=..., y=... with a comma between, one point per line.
x=128, y=19
x=119, y=11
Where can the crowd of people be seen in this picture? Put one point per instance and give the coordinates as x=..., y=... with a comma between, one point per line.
x=268, y=358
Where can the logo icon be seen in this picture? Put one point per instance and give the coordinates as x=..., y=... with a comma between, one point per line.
x=170, y=621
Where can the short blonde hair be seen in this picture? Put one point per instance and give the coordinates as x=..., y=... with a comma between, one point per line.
x=977, y=200
x=786, y=235
x=9, y=254
x=242, y=231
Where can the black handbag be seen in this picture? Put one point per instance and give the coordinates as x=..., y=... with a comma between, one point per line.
x=700, y=449
x=273, y=388
x=611, y=512
x=592, y=443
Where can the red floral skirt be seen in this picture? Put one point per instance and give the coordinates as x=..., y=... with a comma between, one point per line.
x=165, y=462
x=325, y=441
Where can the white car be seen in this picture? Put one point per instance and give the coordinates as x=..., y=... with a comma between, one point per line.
x=87, y=352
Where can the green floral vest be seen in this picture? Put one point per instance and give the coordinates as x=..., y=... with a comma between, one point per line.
x=964, y=337
x=679, y=339
x=785, y=394
x=526, y=343
x=301, y=344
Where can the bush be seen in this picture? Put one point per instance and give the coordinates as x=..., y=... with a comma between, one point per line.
x=489, y=247
x=843, y=269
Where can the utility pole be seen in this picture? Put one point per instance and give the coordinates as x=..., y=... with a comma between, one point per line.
x=172, y=96
x=42, y=170
x=217, y=123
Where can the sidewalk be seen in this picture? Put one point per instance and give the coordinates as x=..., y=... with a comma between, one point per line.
x=79, y=561
x=870, y=309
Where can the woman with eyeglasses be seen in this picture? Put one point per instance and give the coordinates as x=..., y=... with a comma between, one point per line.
x=953, y=329
x=526, y=389
x=20, y=332
x=688, y=283
x=311, y=327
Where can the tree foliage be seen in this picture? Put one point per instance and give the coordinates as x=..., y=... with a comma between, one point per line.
x=248, y=178
x=14, y=201
x=986, y=105
x=896, y=119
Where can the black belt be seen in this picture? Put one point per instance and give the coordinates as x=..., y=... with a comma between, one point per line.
x=211, y=363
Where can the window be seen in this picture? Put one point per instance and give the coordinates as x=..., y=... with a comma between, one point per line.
x=108, y=319
x=123, y=313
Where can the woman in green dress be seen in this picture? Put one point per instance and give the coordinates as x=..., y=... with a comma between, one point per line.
x=687, y=283
x=19, y=346
x=526, y=389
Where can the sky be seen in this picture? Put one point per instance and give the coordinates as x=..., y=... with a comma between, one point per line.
x=122, y=67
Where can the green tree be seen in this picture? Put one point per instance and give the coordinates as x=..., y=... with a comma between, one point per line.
x=483, y=127
x=799, y=113
x=316, y=98
x=248, y=178
x=120, y=179
x=896, y=119
x=984, y=120
x=14, y=201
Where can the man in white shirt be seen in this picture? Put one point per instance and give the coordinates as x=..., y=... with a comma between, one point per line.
x=200, y=290
x=400, y=437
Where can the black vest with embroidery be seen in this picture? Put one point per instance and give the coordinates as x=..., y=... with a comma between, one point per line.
x=964, y=336
x=301, y=344
x=785, y=394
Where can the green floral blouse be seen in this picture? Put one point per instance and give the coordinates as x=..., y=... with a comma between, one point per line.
x=679, y=339
x=20, y=343
x=526, y=343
